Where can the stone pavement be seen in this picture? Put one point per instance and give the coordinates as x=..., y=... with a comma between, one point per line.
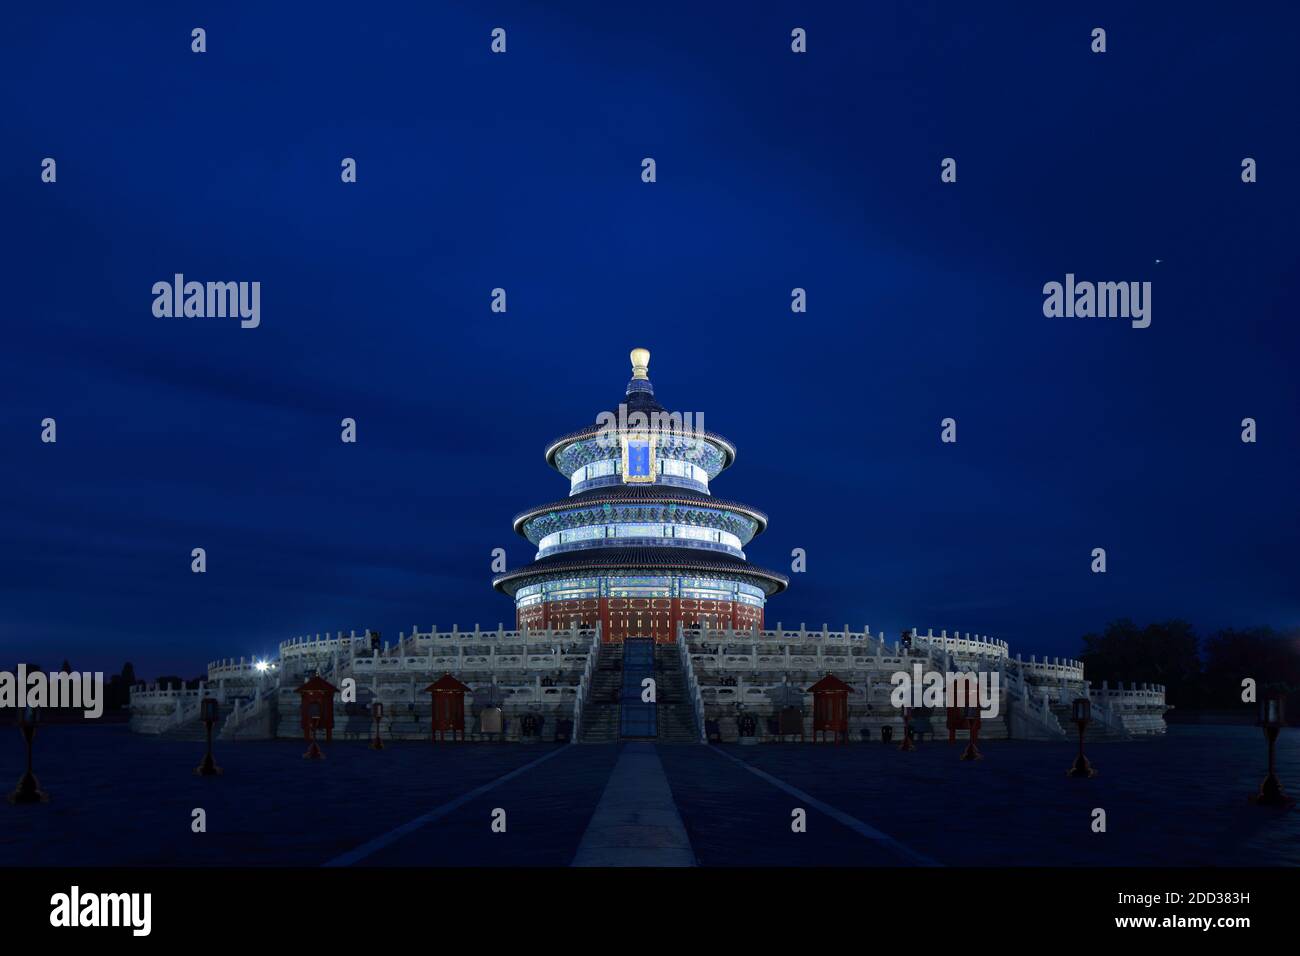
x=547, y=810
x=1174, y=801
x=121, y=799
x=636, y=822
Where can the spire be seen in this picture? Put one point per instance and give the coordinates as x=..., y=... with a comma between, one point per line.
x=640, y=376
x=640, y=363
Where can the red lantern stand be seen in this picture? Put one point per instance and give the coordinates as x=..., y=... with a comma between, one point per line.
x=448, y=697
x=956, y=722
x=318, y=690
x=831, y=708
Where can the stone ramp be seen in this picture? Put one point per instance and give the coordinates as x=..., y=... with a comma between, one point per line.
x=636, y=822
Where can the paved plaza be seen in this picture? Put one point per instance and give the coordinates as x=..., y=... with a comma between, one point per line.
x=123, y=799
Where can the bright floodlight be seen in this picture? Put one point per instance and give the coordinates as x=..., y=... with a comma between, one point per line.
x=261, y=665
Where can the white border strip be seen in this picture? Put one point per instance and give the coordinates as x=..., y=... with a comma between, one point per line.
x=853, y=823
x=392, y=836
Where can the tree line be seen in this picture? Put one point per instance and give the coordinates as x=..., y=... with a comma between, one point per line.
x=1199, y=673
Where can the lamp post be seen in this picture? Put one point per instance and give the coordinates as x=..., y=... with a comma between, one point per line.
x=29, y=788
x=1272, y=715
x=377, y=714
x=972, y=715
x=907, y=730
x=208, y=713
x=313, y=720
x=1081, y=714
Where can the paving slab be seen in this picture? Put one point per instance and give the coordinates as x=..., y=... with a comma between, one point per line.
x=546, y=810
x=734, y=818
x=636, y=822
x=125, y=799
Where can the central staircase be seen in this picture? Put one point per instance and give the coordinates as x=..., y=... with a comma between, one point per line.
x=602, y=711
x=676, y=715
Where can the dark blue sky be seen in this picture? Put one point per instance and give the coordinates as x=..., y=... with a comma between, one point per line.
x=523, y=171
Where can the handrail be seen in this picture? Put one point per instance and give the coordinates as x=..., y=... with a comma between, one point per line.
x=692, y=685
x=593, y=652
x=240, y=715
x=186, y=710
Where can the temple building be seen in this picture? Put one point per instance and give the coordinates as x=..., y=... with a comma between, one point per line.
x=641, y=544
x=640, y=572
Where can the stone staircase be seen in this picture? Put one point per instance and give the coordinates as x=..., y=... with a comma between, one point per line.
x=676, y=716
x=1095, y=730
x=192, y=729
x=600, y=711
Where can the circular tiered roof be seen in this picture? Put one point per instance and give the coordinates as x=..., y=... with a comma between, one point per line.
x=554, y=448
x=653, y=520
x=640, y=397
x=635, y=494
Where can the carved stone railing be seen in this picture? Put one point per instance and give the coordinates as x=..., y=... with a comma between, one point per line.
x=584, y=684
x=692, y=684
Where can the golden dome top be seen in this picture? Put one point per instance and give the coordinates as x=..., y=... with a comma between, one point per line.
x=640, y=363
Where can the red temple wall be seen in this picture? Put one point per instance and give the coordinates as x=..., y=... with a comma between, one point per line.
x=621, y=618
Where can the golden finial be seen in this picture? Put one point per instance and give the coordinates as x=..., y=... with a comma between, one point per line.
x=640, y=362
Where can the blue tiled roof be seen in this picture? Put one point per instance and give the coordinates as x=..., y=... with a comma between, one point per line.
x=650, y=494
x=640, y=559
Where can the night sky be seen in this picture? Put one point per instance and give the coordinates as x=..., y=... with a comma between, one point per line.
x=522, y=171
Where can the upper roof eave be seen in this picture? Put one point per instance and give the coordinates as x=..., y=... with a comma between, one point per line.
x=591, y=431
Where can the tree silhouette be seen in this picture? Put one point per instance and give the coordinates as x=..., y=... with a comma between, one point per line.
x=1196, y=674
x=1269, y=658
x=1165, y=653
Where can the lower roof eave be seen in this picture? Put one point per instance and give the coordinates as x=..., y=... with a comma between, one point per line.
x=770, y=581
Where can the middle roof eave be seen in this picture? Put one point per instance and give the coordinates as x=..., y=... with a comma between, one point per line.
x=648, y=494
